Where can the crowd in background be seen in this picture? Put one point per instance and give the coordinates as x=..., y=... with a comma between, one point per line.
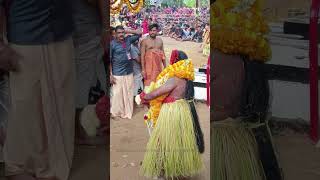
x=181, y=24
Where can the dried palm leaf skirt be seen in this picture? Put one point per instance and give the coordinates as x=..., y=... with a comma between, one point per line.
x=172, y=147
x=234, y=152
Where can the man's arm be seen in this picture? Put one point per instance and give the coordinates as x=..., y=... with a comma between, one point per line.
x=138, y=59
x=130, y=31
x=133, y=38
x=164, y=89
x=164, y=59
x=143, y=52
x=112, y=79
x=8, y=57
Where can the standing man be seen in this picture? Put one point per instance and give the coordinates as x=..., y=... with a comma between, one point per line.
x=40, y=132
x=136, y=60
x=121, y=74
x=152, y=55
x=87, y=39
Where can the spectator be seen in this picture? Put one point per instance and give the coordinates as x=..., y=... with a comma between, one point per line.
x=121, y=73
x=41, y=91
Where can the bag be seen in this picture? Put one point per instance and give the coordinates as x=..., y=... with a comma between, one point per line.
x=103, y=110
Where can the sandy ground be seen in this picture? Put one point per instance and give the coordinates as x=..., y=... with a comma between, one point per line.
x=190, y=48
x=129, y=139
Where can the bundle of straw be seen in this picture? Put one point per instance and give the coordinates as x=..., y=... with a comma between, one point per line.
x=235, y=153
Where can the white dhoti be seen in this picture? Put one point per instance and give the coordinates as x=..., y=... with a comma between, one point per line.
x=122, y=97
x=40, y=131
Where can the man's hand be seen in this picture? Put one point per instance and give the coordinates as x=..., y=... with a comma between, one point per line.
x=144, y=74
x=112, y=80
x=8, y=58
x=137, y=32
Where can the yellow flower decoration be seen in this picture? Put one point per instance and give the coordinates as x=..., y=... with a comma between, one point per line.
x=183, y=69
x=116, y=6
x=135, y=6
x=238, y=27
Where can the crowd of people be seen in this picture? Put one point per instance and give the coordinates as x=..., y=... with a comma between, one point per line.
x=181, y=24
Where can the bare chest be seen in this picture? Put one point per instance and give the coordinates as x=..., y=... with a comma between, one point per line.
x=154, y=44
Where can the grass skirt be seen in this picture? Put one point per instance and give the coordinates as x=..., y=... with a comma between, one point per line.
x=234, y=152
x=172, y=146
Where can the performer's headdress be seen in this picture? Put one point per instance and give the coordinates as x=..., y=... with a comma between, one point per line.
x=177, y=56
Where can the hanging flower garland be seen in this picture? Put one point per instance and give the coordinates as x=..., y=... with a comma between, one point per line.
x=183, y=69
x=134, y=5
x=238, y=27
x=115, y=6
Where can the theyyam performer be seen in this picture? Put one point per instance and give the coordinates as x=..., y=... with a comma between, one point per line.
x=241, y=143
x=176, y=142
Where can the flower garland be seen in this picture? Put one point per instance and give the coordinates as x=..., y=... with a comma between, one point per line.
x=238, y=27
x=134, y=5
x=115, y=6
x=183, y=69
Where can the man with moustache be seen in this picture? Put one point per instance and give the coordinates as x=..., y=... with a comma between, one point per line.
x=152, y=55
x=121, y=72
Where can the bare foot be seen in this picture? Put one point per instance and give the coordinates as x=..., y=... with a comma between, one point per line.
x=21, y=177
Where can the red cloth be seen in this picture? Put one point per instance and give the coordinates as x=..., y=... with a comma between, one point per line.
x=143, y=101
x=145, y=26
x=208, y=82
x=174, y=56
x=103, y=111
x=169, y=99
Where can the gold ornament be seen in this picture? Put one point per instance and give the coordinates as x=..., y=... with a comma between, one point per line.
x=115, y=6
x=134, y=5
